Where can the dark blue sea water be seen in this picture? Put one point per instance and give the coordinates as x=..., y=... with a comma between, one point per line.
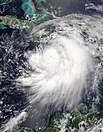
x=13, y=46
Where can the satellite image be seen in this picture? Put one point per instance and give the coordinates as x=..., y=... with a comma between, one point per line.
x=51, y=65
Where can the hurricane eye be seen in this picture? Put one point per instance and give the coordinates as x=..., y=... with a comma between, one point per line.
x=51, y=56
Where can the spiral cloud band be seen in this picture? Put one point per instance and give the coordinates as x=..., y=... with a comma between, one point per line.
x=60, y=71
x=64, y=62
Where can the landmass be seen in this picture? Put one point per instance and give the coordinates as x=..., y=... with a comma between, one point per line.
x=79, y=119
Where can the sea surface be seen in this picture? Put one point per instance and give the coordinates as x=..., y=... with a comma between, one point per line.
x=14, y=45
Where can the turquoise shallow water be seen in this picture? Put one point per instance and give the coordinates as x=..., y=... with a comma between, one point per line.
x=27, y=7
x=38, y=15
x=2, y=26
x=10, y=97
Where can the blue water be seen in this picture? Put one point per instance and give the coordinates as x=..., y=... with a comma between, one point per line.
x=17, y=99
x=27, y=7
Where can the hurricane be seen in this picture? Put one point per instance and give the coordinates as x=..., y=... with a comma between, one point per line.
x=51, y=65
x=65, y=64
x=60, y=71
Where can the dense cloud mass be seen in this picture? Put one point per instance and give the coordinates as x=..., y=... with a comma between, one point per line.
x=54, y=69
x=66, y=64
